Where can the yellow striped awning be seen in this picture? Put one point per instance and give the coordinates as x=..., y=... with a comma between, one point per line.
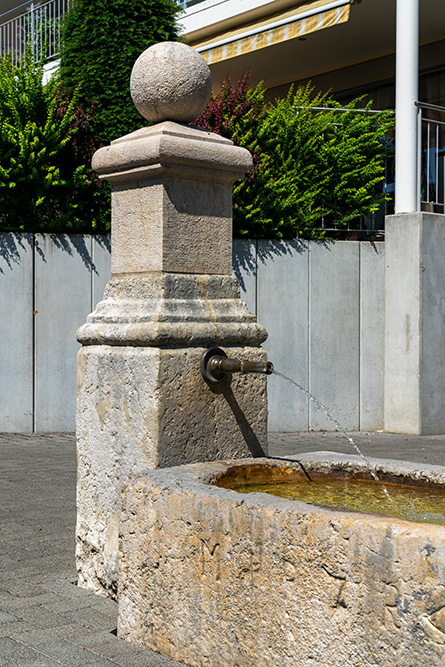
x=278, y=28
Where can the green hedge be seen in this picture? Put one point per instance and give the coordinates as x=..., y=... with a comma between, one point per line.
x=45, y=183
x=48, y=133
x=101, y=41
x=308, y=165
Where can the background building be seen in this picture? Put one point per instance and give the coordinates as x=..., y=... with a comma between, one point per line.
x=344, y=46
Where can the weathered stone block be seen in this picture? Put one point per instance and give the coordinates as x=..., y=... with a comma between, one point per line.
x=143, y=407
x=172, y=199
x=211, y=577
x=173, y=310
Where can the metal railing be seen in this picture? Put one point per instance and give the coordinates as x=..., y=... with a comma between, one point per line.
x=431, y=157
x=430, y=176
x=184, y=4
x=35, y=25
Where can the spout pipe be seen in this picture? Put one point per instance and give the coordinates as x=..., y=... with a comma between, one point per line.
x=227, y=365
x=216, y=365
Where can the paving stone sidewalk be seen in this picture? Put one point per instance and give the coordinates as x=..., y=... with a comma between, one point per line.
x=45, y=619
x=422, y=449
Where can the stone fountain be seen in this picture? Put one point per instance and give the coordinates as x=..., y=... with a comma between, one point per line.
x=142, y=403
x=208, y=576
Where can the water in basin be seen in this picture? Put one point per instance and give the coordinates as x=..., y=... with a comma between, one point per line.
x=422, y=505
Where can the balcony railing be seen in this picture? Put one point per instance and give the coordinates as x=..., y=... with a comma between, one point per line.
x=184, y=4
x=430, y=176
x=431, y=157
x=36, y=27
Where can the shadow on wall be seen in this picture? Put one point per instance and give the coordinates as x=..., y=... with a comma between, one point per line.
x=13, y=245
x=246, y=255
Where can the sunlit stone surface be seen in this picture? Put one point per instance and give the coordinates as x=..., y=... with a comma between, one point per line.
x=212, y=577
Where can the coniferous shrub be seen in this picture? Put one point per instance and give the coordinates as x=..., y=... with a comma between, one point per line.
x=46, y=183
x=308, y=166
x=101, y=41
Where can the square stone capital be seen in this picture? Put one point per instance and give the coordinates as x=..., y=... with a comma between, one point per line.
x=172, y=199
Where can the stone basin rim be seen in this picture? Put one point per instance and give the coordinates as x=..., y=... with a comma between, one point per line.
x=202, y=480
x=187, y=544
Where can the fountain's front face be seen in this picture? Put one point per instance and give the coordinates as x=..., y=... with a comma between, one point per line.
x=210, y=576
x=142, y=402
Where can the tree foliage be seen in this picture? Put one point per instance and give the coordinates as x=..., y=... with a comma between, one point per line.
x=309, y=165
x=45, y=184
x=101, y=42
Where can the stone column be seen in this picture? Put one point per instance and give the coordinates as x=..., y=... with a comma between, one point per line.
x=415, y=324
x=142, y=402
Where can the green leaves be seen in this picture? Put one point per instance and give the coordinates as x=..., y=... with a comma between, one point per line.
x=42, y=185
x=101, y=42
x=309, y=165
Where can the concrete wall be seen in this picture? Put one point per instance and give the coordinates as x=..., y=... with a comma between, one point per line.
x=48, y=285
x=321, y=303
x=323, y=306
x=415, y=324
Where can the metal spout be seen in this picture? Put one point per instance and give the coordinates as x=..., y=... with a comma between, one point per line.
x=216, y=365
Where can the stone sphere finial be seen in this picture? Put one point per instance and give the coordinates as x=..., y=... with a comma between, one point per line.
x=170, y=81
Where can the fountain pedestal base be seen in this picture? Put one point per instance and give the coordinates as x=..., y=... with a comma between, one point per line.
x=143, y=404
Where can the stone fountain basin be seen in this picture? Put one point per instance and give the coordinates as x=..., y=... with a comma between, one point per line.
x=209, y=576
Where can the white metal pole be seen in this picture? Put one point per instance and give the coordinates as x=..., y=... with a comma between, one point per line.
x=407, y=89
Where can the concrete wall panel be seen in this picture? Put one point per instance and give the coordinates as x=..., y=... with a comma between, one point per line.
x=62, y=300
x=301, y=291
x=403, y=327
x=334, y=333
x=283, y=310
x=372, y=335
x=415, y=324
x=432, y=388
x=244, y=267
x=101, y=270
x=16, y=333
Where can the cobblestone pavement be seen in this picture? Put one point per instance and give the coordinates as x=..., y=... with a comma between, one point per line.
x=45, y=619
x=422, y=449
